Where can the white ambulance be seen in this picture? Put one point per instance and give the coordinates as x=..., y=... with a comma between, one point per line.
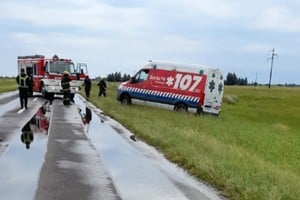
x=180, y=86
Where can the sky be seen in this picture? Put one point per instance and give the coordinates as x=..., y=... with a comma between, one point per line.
x=123, y=35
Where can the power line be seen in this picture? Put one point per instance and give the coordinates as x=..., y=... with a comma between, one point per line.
x=272, y=59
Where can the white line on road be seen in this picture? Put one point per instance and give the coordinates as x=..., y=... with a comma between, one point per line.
x=21, y=110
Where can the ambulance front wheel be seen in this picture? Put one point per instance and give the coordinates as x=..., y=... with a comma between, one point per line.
x=180, y=107
x=125, y=99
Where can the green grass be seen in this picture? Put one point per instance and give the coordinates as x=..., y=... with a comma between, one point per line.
x=8, y=84
x=251, y=151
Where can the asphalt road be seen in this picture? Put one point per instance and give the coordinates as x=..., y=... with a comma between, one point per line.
x=99, y=160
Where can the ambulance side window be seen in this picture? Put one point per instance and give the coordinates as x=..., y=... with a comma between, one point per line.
x=141, y=76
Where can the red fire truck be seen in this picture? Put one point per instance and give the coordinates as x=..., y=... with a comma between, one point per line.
x=47, y=73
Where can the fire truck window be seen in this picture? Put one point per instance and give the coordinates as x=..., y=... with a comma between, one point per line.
x=46, y=67
x=29, y=71
x=61, y=66
x=34, y=69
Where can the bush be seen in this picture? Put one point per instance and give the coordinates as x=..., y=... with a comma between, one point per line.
x=230, y=99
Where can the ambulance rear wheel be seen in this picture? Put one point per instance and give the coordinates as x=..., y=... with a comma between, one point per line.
x=125, y=99
x=180, y=107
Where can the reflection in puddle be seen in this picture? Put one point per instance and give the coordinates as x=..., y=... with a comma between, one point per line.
x=27, y=135
x=20, y=166
x=38, y=124
x=86, y=118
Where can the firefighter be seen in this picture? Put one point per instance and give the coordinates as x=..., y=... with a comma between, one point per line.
x=87, y=86
x=65, y=84
x=23, y=82
x=102, y=87
x=27, y=135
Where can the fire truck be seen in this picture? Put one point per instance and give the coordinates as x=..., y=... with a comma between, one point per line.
x=46, y=73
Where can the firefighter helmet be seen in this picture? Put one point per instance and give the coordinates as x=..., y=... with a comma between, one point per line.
x=66, y=72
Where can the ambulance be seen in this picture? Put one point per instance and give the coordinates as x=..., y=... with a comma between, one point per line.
x=182, y=87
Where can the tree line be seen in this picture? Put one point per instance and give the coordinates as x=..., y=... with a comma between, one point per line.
x=117, y=77
x=232, y=79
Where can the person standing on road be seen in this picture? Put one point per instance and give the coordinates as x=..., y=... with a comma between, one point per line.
x=87, y=86
x=102, y=87
x=23, y=82
x=65, y=84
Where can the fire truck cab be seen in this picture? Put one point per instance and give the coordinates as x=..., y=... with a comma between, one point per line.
x=46, y=73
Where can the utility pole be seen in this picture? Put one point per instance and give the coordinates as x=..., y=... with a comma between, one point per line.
x=255, y=83
x=272, y=59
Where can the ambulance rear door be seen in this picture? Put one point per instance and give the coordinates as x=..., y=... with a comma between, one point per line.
x=213, y=92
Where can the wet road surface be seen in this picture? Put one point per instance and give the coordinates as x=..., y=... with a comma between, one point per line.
x=73, y=168
x=71, y=160
x=19, y=165
x=139, y=171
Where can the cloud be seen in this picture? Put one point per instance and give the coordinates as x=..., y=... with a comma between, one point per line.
x=87, y=16
x=257, y=48
x=279, y=19
x=214, y=8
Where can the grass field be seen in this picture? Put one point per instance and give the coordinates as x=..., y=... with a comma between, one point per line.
x=8, y=84
x=250, y=151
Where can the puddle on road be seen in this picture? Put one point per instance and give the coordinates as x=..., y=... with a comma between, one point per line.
x=8, y=94
x=9, y=106
x=135, y=175
x=21, y=163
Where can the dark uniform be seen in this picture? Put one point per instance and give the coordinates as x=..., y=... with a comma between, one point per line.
x=23, y=82
x=102, y=88
x=87, y=86
x=65, y=84
x=27, y=135
x=88, y=115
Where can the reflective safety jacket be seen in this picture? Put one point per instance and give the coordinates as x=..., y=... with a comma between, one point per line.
x=23, y=81
x=27, y=137
x=65, y=83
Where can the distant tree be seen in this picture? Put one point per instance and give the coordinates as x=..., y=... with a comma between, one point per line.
x=242, y=81
x=117, y=77
x=110, y=77
x=231, y=79
x=125, y=77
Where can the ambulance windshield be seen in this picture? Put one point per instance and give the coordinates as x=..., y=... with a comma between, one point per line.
x=61, y=66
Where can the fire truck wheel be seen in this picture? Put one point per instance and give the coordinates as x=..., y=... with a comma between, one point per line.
x=180, y=107
x=125, y=99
